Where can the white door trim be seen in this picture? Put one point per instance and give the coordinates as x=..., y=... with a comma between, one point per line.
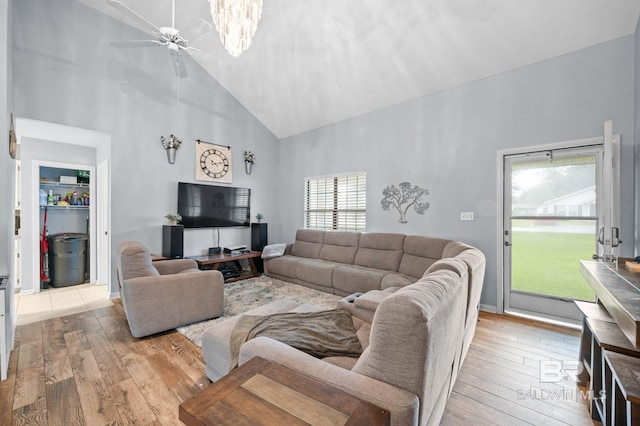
x=501, y=154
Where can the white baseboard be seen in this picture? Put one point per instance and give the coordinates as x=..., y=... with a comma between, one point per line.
x=488, y=308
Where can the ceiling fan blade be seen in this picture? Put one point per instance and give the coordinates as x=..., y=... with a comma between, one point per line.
x=178, y=64
x=134, y=15
x=224, y=65
x=138, y=43
x=197, y=29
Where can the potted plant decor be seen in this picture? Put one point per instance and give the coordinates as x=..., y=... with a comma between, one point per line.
x=171, y=145
x=249, y=160
x=173, y=218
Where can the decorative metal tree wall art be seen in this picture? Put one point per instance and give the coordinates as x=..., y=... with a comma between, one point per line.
x=403, y=197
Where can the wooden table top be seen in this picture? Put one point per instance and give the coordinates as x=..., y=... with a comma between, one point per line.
x=207, y=259
x=261, y=392
x=618, y=289
x=627, y=371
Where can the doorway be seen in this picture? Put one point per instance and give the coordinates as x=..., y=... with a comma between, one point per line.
x=554, y=200
x=43, y=143
x=66, y=223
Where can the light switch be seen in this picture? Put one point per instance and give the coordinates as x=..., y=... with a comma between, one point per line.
x=466, y=215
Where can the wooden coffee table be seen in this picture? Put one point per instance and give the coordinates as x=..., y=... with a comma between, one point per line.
x=261, y=392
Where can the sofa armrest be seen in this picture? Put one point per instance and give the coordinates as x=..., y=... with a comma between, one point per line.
x=403, y=405
x=159, y=303
x=174, y=266
x=364, y=305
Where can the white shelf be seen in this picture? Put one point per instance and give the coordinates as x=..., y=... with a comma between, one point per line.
x=78, y=185
x=73, y=186
x=65, y=207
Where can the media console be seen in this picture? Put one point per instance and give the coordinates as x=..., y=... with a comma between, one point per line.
x=229, y=264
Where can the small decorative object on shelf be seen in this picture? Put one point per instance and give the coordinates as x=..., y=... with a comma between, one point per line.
x=259, y=217
x=173, y=218
x=171, y=145
x=249, y=159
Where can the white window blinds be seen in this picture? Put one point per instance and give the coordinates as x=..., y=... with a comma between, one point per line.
x=336, y=202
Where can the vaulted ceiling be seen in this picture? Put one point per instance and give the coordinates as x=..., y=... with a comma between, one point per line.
x=318, y=62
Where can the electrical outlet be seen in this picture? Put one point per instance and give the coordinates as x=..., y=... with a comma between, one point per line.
x=466, y=215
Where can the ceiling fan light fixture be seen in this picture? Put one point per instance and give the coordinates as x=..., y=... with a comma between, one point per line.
x=236, y=22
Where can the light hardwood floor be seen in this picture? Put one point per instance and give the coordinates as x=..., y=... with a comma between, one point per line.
x=86, y=368
x=59, y=302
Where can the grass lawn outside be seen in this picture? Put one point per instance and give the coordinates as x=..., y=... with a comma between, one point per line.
x=548, y=262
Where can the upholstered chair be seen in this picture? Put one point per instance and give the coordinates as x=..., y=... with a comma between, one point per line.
x=162, y=295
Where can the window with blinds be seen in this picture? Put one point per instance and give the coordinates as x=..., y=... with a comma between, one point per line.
x=336, y=202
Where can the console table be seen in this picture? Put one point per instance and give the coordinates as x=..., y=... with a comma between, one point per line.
x=610, y=344
x=265, y=393
x=215, y=261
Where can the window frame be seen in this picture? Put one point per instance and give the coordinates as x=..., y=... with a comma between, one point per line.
x=343, y=207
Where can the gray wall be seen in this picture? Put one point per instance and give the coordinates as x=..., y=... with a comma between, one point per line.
x=67, y=72
x=448, y=143
x=7, y=189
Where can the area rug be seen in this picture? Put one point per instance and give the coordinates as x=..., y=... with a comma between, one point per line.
x=241, y=296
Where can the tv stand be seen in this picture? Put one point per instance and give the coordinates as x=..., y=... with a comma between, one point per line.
x=229, y=264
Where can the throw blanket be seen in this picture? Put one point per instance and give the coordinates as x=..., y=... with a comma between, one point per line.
x=320, y=334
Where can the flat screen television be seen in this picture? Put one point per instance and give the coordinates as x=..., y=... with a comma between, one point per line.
x=211, y=206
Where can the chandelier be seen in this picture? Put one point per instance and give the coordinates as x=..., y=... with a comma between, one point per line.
x=236, y=21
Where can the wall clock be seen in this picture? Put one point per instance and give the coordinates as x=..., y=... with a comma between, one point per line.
x=13, y=143
x=213, y=162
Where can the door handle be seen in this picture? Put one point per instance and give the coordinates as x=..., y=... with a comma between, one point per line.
x=507, y=243
x=615, y=237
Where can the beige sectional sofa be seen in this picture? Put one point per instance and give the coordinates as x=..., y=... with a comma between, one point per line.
x=347, y=263
x=414, y=303
x=411, y=356
x=352, y=262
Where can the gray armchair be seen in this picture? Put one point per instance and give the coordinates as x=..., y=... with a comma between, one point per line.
x=163, y=295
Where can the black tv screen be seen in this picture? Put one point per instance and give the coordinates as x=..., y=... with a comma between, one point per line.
x=211, y=206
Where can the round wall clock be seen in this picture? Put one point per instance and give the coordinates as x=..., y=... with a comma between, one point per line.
x=213, y=163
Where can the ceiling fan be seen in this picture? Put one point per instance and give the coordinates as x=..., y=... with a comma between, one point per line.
x=166, y=36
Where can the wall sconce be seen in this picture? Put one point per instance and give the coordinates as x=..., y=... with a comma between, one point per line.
x=171, y=145
x=249, y=159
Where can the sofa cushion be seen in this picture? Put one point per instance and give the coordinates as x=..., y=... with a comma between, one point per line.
x=419, y=254
x=284, y=266
x=348, y=279
x=308, y=243
x=317, y=272
x=454, y=248
x=396, y=280
x=380, y=251
x=340, y=246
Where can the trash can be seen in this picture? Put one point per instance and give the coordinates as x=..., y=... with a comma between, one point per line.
x=67, y=258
